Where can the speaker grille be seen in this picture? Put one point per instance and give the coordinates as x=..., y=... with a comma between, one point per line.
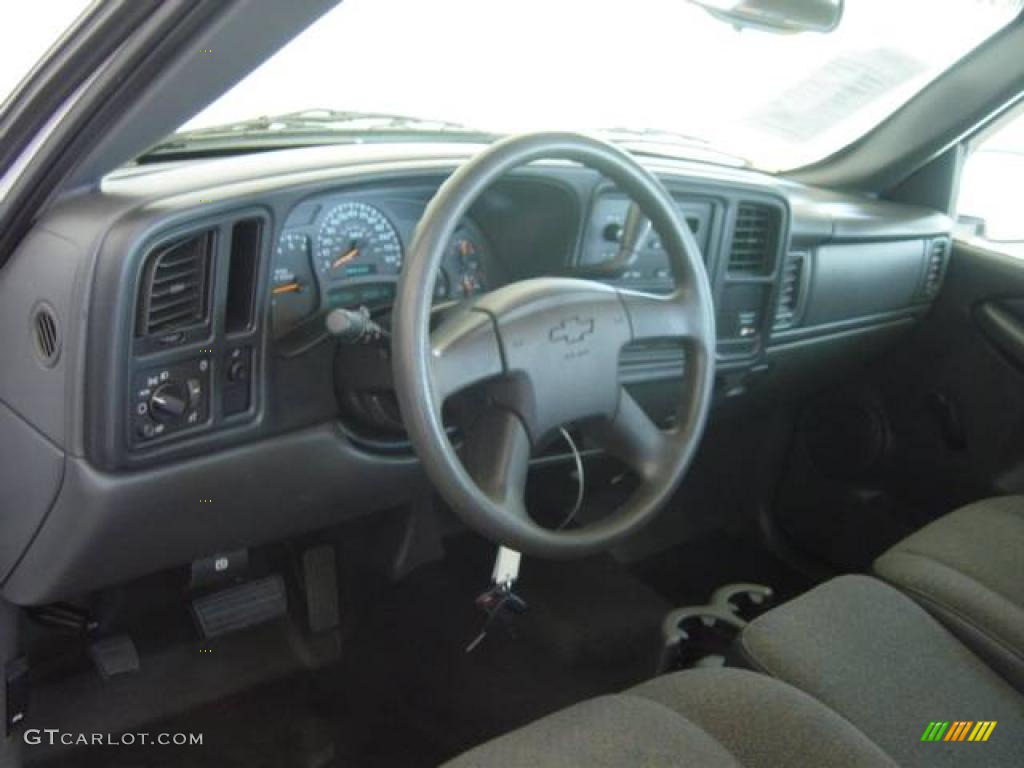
x=46, y=335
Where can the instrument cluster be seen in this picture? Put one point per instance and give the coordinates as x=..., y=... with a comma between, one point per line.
x=349, y=253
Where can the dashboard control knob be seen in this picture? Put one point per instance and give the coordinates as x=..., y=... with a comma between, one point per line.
x=612, y=232
x=238, y=371
x=168, y=402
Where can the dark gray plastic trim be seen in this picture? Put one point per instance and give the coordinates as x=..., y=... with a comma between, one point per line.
x=31, y=470
x=105, y=528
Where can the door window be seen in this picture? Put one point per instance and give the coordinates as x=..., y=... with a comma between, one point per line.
x=991, y=203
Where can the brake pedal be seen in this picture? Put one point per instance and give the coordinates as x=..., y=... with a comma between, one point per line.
x=247, y=605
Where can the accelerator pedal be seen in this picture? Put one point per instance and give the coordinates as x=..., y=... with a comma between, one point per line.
x=240, y=607
x=320, y=577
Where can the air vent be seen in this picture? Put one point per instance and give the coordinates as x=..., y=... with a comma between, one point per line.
x=46, y=334
x=175, y=286
x=936, y=268
x=754, y=239
x=790, y=290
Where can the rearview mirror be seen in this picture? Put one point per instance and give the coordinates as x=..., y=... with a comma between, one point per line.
x=787, y=16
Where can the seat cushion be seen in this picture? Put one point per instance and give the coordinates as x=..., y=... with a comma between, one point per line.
x=874, y=656
x=697, y=718
x=967, y=569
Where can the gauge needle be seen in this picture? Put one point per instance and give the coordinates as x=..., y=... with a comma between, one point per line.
x=292, y=287
x=348, y=255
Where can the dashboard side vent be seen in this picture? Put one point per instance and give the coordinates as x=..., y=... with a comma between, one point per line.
x=936, y=267
x=790, y=290
x=175, y=286
x=754, y=239
x=46, y=334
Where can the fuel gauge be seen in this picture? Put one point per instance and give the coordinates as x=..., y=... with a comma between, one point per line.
x=468, y=275
x=293, y=290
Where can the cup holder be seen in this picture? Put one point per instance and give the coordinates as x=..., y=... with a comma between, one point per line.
x=701, y=635
x=744, y=601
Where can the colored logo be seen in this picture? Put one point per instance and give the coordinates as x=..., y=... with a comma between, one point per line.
x=959, y=730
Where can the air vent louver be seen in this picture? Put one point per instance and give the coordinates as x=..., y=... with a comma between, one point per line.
x=174, y=286
x=754, y=239
x=46, y=335
x=936, y=267
x=789, y=290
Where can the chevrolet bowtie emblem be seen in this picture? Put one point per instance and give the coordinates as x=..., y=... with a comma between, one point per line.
x=572, y=330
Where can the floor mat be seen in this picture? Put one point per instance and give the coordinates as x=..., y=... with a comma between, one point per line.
x=406, y=693
x=590, y=629
x=278, y=725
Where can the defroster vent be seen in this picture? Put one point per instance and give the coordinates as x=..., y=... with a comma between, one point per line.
x=175, y=286
x=755, y=239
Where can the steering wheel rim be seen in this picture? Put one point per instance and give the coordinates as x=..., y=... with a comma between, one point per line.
x=514, y=339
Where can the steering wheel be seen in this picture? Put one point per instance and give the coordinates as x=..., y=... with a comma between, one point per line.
x=548, y=349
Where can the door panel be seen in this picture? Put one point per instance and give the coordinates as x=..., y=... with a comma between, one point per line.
x=935, y=423
x=1003, y=323
x=957, y=399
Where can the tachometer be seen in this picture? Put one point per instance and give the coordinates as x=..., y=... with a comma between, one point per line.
x=357, y=240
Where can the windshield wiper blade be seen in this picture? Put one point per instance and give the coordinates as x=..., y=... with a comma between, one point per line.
x=307, y=127
x=319, y=121
x=654, y=134
x=657, y=142
x=327, y=117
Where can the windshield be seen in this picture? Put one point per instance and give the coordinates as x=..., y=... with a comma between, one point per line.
x=664, y=72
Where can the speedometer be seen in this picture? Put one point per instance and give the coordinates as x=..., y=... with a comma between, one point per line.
x=357, y=240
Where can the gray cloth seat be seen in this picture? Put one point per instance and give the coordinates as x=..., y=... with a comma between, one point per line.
x=875, y=657
x=712, y=718
x=967, y=569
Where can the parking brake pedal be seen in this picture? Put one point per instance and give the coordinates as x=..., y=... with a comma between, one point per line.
x=235, y=608
x=114, y=656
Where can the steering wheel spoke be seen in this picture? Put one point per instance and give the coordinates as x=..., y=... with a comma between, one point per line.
x=653, y=317
x=464, y=351
x=497, y=456
x=634, y=438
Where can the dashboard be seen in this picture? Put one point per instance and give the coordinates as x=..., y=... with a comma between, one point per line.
x=176, y=350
